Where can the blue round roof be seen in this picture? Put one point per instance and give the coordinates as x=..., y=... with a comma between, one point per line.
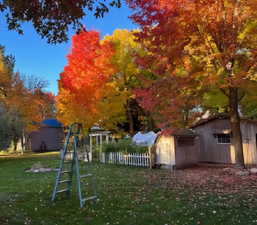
x=51, y=123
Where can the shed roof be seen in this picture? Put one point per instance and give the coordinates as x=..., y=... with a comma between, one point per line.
x=219, y=117
x=209, y=119
x=52, y=122
x=184, y=132
x=178, y=132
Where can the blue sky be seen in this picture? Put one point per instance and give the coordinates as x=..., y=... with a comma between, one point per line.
x=35, y=57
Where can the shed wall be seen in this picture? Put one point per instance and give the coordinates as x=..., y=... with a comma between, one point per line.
x=52, y=137
x=249, y=134
x=187, y=155
x=211, y=151
x=165, y=151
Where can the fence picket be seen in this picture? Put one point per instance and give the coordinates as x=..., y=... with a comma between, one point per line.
x=131, y=159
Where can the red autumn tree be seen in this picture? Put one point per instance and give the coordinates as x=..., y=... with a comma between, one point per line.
x=83, y=81
x=169, y=101
x=211, y=43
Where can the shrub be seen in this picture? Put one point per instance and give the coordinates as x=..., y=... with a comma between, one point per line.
x=125, y=146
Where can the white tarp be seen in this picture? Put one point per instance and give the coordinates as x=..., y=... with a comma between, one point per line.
x=144, y=139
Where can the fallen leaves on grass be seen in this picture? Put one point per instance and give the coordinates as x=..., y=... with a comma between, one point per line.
x=205, y=179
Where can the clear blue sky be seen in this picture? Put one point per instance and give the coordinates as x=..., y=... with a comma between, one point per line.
x=35, y=57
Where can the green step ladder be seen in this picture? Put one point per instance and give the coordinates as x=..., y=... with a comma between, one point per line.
x=64, y=175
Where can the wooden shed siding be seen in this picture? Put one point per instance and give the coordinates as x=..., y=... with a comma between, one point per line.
x=211, y=151
x=165, y=151
x=187, y=155
x=249, y=131
x=169, y=153
x=52, y=137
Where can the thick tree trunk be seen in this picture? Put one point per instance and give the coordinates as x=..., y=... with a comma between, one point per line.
x=235, y=126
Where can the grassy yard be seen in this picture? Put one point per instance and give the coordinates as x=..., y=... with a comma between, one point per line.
x=127, y=196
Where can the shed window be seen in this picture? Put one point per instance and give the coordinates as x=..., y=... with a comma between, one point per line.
x=223, y=138
x=186, y=141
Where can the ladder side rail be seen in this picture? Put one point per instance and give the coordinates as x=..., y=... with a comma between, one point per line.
x=71, y=173
x=61, y=165
x=75, y=142
x=72, y=138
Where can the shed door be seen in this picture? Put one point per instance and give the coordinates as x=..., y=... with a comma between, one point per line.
x=165, y=151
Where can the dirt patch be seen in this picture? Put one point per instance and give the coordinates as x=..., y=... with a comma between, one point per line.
x=39, y=168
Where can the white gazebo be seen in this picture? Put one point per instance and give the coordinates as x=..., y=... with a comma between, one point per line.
x=97, y=137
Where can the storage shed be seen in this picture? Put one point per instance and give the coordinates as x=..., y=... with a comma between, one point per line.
x=178, y=150
x=48, y=137
x=215, y=140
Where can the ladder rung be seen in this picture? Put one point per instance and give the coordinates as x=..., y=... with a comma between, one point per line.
x=86, y=175
x=66, y=171
x=89, y=198
x=64, y=181
x=63, y=190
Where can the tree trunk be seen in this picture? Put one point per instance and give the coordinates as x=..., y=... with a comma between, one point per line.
x=235, y=126
x=22, y=142
x=130, y=119
x=131, y=123
x=15, y=143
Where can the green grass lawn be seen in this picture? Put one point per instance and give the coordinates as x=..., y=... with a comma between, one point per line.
x=127, y=196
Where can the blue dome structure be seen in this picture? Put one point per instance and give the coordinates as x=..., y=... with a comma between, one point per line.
x=51, y=123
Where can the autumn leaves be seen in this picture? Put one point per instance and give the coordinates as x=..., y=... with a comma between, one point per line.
x=174, y=66
x=97, y=82
x=83, y=82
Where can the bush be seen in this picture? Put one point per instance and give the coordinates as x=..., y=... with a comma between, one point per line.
x=125, y=146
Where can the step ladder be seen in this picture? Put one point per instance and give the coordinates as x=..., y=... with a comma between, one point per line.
x=68, y=168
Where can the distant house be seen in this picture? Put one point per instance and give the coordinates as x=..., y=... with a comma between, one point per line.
x=215, y=140
x=49, y=136
x=178, y=150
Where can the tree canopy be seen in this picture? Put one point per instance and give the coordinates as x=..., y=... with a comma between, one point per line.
x=199, y=46
x=52, y=18
x=83, y=81
x=22, y=107
x=99, y=81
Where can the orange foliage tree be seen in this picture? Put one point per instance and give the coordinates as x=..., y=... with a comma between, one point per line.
x=23, y=103
x=26, y=108
x=99, y=80
x=83, y=82
x=211, y=44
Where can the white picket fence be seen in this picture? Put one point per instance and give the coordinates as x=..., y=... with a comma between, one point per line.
x=132, y=159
